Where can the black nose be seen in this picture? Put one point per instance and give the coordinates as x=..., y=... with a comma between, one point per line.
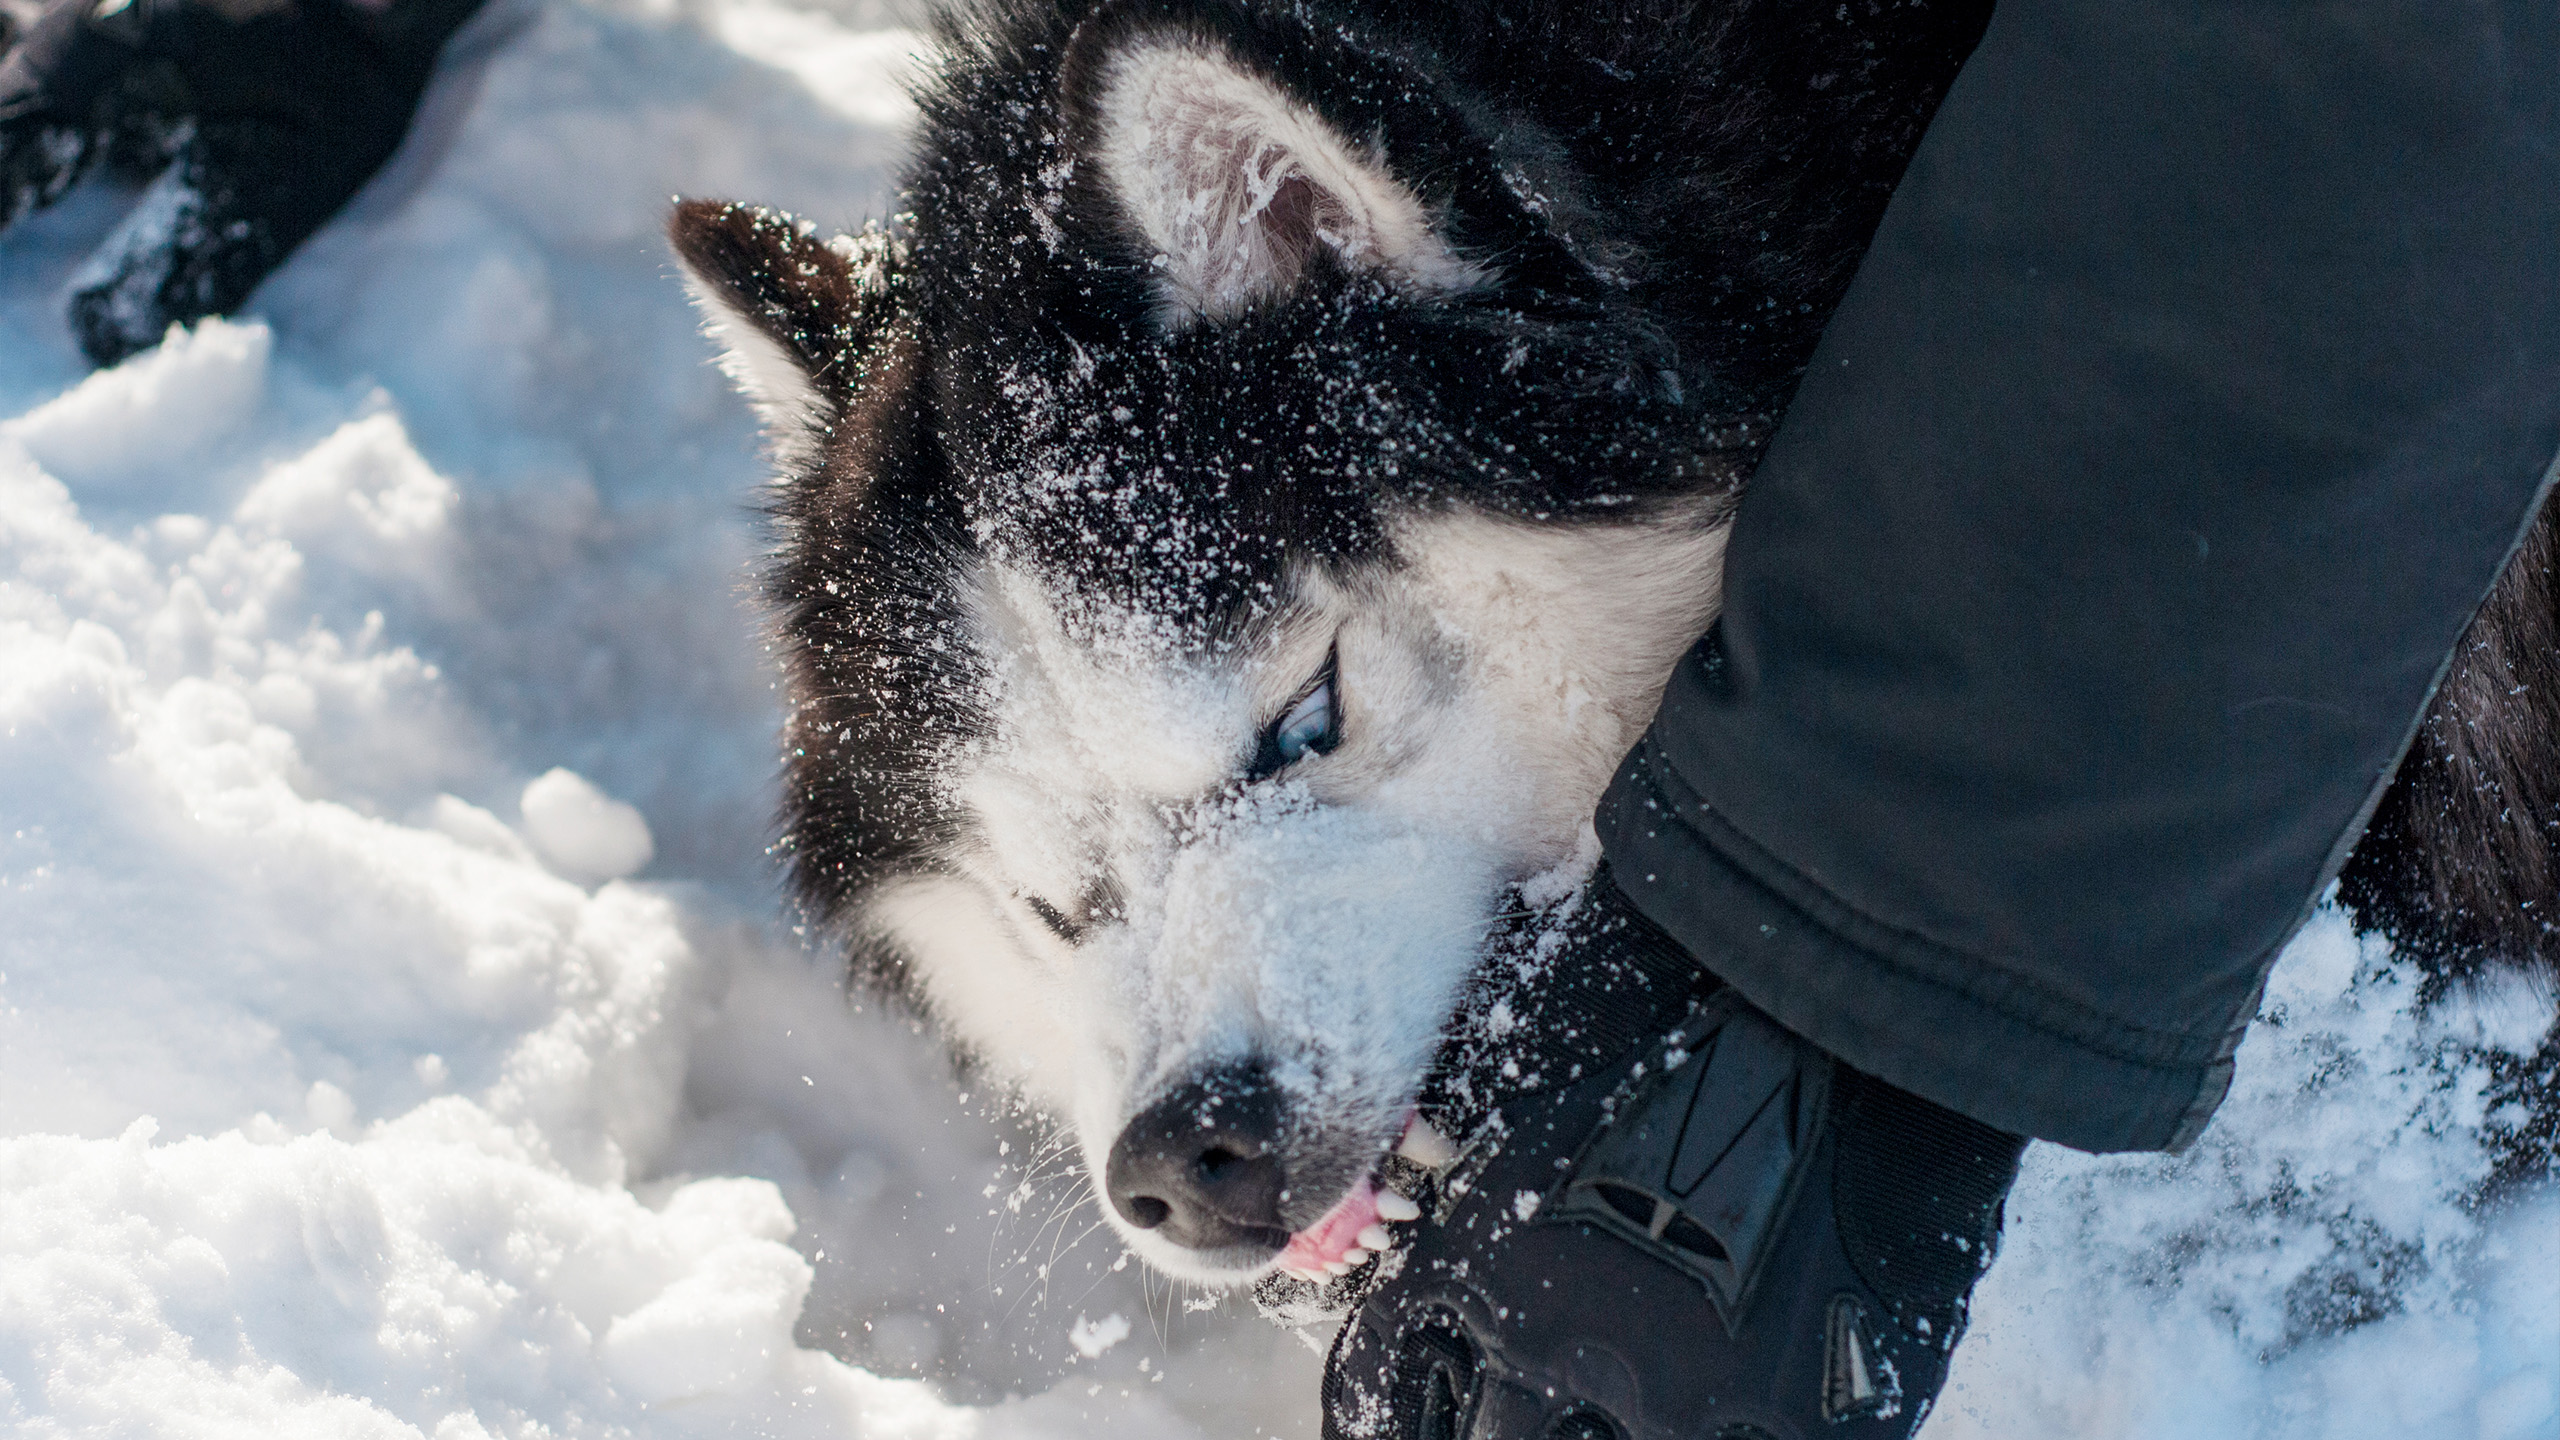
x=1201, y=1166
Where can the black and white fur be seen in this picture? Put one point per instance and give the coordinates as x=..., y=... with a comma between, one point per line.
x=1230, y=357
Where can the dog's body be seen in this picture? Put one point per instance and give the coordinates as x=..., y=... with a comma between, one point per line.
x=1234, y=524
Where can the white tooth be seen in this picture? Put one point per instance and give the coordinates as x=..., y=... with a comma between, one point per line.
x=1425, y=1146
x=1337, y=1267
x=1354, y=1255
x=1392, y=1206
x=1375, y=1237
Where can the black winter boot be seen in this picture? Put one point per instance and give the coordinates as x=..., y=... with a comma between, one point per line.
x=1720, y=1233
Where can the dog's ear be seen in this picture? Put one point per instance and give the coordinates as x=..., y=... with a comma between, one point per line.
x=794, y=315
x=1237, y=184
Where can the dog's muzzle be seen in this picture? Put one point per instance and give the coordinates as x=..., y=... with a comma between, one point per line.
x=1201, y=1166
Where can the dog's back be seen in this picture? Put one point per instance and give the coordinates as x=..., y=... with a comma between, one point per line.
x=2461, y=862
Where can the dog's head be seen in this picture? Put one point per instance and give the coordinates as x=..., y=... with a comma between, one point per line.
x=1229, y=530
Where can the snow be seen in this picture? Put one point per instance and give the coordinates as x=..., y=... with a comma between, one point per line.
x=2203, y=1293
x=582, y=830
x=400, y=1033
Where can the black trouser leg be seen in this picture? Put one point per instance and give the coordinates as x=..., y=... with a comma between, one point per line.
x=2203, y=375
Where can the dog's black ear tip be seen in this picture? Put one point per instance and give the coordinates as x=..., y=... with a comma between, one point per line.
x=735, y=241
x=705, y=231
x=786, y=302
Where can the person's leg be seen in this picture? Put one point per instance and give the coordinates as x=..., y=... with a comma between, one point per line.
x=2203, y=374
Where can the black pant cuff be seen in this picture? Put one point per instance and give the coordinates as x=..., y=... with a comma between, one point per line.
x=1961, y=1030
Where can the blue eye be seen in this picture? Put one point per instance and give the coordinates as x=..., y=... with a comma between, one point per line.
x=1307, y=726
x=1312, y=726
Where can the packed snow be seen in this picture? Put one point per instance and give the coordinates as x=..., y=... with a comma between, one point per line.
x=400, y=1030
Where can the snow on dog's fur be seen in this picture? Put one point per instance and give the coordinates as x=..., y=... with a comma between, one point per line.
x=1235, y=519
x=1235, y=522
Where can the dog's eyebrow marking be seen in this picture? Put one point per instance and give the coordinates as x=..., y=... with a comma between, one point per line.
x=1050, y=915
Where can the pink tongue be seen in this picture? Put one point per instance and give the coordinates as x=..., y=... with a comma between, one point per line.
x=1324, y=1242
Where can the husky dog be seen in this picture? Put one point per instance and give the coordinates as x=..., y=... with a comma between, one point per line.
x=1236, y=518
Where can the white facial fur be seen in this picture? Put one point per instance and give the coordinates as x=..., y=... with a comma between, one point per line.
x=1325, y=920
x=1236, y=183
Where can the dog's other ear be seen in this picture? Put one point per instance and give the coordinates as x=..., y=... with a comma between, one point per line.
x=1236, y=183
x=794, y=315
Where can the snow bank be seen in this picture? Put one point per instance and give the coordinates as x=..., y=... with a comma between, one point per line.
x=2313, y=1266
x=467, y=1054
x=435, y=1278
x=398, y=1030
x=424, y=1082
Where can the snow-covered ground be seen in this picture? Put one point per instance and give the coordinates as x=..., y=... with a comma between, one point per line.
x=399, y=1030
